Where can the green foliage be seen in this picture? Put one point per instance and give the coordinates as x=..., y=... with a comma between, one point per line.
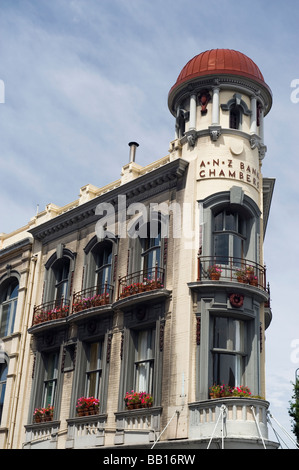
x=294, y=409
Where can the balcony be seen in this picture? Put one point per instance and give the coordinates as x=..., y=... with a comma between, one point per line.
x=49, y=311
x=140, y=426
x=96, y=296
x=141, y=281
x=42, y=435
x=230, y=419
x=86, y=432
x=57, y=311
x=230, y=269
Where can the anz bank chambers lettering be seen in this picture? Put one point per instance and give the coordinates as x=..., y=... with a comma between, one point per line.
x=221, y=168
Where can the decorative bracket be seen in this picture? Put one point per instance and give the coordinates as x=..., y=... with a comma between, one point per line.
x=191, y=138
x=215, y=132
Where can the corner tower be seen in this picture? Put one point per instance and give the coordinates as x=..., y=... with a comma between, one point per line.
x=219, y=102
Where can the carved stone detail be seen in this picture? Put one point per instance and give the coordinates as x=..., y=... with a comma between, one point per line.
x=215, y=132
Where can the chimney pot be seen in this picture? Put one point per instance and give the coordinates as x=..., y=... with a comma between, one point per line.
x=133, y=146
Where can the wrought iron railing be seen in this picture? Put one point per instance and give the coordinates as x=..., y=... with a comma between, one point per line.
x=92, y=297
x=231, y=269
x=53, y=310
x=141, y=281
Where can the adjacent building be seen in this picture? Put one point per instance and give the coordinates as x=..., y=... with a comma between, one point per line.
x=155, y=283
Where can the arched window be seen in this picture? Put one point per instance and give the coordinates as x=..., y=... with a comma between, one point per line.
x=151, y=248
x=59, y=268
x=229, y=236
x=8, y=305
x=61, y=271
x=235, y=117
x=3, y=377
x=102, y=255
x=237, y=108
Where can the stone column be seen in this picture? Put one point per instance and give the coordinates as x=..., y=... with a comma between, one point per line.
x=192, y=122
x=253, y=126
x=215, y=109
x=261, y=126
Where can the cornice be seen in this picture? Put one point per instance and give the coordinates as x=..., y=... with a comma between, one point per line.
x=141, y=188
x=26, y=242
x=223, y=82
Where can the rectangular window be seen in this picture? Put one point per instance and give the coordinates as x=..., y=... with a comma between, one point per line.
x=144, y=361
x=50, y=378
x=228, y=351
x=94, y=369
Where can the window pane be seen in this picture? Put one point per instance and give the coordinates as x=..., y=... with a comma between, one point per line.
x=228, y=334
x=104, y=276
x=219, y=222
x=220, y=333
x=95, y=356
x=103, y=259
x=93, y=384
x=50, y=379
x=230, y=221
x=94, y=372
x=145, y=345
x=51, y=372
x=49, y=393
x=221, y=248
x=241, y=226
x=3, y=372
x=2, y=394
x=6, y=308
x=237, y=248
x=3, y=376
x=144, y=377
x=150, y=259
x=13, y=290
x=144, y=362
x=227, y=369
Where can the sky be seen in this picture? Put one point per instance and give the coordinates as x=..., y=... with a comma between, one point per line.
x=83, y=78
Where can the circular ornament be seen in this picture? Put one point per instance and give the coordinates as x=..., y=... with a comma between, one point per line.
x=236, y=300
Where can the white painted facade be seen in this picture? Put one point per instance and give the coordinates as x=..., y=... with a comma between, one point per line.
x=211, y=169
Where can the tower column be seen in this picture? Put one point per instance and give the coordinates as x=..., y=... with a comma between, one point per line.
x=253, y=126
x=192, y=125
x=261, y=126
x=215, y=109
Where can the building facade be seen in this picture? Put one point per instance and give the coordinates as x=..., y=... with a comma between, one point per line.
x=155, y=283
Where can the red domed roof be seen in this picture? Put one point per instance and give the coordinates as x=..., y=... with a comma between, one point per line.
x=219, y=62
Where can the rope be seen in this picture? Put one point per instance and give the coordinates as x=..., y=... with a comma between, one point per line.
x=278, y=437
x=221, y=415
x=284, y=430
x=258, y=427
x=175, y=413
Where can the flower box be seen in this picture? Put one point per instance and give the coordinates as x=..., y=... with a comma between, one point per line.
x=214, y=272
x=221, y=391
x=87, y=406
x=135, y=400
x=41, y=415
